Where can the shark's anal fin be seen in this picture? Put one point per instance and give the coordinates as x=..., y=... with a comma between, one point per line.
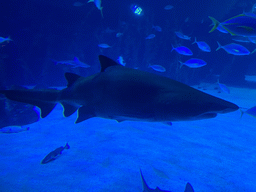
x=84, y=113
x=71, y=78
x=68, y=109
x=106, y=62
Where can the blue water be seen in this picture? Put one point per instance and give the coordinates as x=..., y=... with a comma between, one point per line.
x=213, y=155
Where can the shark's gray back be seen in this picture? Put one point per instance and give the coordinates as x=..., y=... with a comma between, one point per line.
x=123, y=93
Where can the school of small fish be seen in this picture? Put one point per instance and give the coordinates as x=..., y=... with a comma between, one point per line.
x=242, y=27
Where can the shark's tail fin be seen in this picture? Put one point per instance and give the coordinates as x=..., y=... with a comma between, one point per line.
x=67, y=146
x=45, y=99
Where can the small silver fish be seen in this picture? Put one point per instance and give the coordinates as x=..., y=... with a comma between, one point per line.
x=54, y=154
x=251, y=112
x=202, y=45
x=151, y=36
x=224, y=88
x=158, y=68
x=168, y=7
x=194, y=63
x=121, y=60
x=119, y=34
x=104, y=45
x=157, y=28
x=252, y=39
x=182, y=36
x=241, y=39
x=234, y=49
x=2, y=39
x=97, y=4
x=74, y=63
x=13, y=129
x=182, y=50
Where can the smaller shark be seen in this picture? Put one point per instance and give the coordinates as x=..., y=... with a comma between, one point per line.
x=54, y=154
x=74, y=63
x=146, y=188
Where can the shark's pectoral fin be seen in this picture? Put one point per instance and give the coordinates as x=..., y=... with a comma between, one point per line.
x=46, y=108
x=84, y=113
x=68, y=109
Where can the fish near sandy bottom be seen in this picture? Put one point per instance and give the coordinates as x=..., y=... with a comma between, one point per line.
x=54, y=154
x=122, y=93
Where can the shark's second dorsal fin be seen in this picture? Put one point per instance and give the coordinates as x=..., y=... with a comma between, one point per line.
x=106, y=62
x=71, y=78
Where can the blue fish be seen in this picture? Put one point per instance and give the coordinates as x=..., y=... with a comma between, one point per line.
x=158, y=68
x=182, y=36
x=104, y=45
x=234, y=49
x=252, y=39
x=241, y=25
x=221, y=29
x=251, y=112
x=168, y=7
x=157, y=28
x=121, y=60
x=151, y=36
x=182, y=50
x=13, y=129
x=241, y=39
x=224, y=88
x=119, y=34
x=202, y=45
x=54, y=154
x=146, y=188
x=2, y=39
x=74, y=63
x=194, y=63
x=97, y=4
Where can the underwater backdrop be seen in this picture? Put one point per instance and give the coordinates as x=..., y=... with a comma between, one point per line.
x=208, y=45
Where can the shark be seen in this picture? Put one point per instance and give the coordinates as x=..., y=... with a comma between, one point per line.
x=146, y=188
x=121, y=93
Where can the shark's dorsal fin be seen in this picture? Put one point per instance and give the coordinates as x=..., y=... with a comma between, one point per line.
x=106, y=62
x=71, y=78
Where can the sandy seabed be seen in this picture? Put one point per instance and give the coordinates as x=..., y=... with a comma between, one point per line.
x=213, y=155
